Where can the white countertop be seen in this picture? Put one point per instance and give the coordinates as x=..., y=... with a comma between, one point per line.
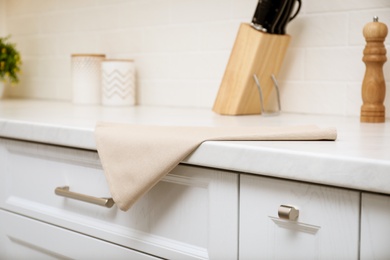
x=358, y=159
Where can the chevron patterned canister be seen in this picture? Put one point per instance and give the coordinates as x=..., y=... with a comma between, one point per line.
x=86, y=74
x=118, y=83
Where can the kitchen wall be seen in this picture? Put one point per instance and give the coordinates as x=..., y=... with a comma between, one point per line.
x=2, y=18
x=181, y=48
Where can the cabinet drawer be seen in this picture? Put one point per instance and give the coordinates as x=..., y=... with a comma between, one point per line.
x=327, y=226
x=375, y=227
x=25, y=238
x=180, y=218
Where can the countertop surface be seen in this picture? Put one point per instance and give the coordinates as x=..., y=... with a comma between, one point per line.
x=358, y=159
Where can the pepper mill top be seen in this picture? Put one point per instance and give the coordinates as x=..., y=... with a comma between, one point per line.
x=374, y=86
x=375, y=30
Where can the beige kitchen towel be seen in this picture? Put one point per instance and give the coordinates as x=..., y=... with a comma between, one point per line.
x=136, y=157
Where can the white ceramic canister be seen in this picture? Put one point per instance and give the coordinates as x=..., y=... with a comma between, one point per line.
x=86, y=78
x=118, y=82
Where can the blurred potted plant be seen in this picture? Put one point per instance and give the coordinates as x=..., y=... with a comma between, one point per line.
x=10, y=63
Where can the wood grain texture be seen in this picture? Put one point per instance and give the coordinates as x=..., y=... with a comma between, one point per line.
x=253, y=52
x=374, y=86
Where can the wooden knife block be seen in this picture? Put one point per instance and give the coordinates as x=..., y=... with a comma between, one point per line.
x=254, y=52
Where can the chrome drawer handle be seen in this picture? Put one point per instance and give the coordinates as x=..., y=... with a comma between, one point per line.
x=288, y=212
x=64, y=192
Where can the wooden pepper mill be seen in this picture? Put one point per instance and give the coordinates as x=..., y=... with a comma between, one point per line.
x=374, y=86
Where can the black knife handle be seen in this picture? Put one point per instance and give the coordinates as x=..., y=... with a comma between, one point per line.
x=269, y=14
x=287, y=16
x=259, y=19
x=297, y=11
x=277, y=16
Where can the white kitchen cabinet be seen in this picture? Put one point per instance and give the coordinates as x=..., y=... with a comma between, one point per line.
x=327, y=226
x=375, y=226
x=191, y=214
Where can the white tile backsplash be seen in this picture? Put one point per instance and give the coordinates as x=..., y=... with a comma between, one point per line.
x=316, y=6
x=3, y=29
x=314, y=97
x=181, y=48
x=334, y=64
x=218, y=36
x=200, y=11
x=319, y=30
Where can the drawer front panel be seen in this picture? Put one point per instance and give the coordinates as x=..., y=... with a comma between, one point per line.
x=25, y=238
x=327, y=226
x=375, y=227
x=179, y=218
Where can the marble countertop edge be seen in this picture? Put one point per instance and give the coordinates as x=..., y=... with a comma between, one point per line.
x=358, y=159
